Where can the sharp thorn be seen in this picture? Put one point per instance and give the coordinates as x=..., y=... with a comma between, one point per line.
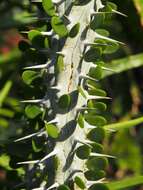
x=88, y=77
x=28, y=162
x=32, y=101
x=102, y=155
x=90, y=97
x=119, y=13
x=56, y=120
x=53, y=153
x=108, y=69
x=37, y=66
x=106, y=38
x=26, y=137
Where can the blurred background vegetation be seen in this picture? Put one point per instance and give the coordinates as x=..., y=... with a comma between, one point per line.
x=125, y=86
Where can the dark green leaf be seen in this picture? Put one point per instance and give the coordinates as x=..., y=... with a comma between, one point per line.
x=96, y=135
x=95, y=120
x=79, y=182
x=64, y=101
x=36, y=38
x=74, y=31
x=83, y=152
x=93, y=54
x=94, y=175
x=96, y=163
x=37, y=145
x=23, y=45
x=32, y=111
x=96, y=147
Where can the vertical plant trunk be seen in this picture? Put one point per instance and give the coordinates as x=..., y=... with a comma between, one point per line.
x=73, y=125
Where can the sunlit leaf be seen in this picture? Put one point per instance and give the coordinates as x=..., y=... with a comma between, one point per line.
x=49, y=7
x=58, y=26
x=80, y=121
x=52, y=130
x=32, y=111
x=29, y=76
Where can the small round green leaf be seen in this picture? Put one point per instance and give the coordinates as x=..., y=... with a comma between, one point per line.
x=96, y=147
x=96, y=163
x=94, y=175
x=95, y=120
x=36, y=38
x=111, y=48
x=58, y=26
x=49, y=8
x=52, y=130
x=29, y=76
x=64, y=101
x=32, y=34
x=32, y=111
x=74, y=31
x=79, y=182
x=96, y=135
x=83, y=152
x=80, y=121
x=97, y=92
x=102, y=32
x=98, y=106
x=96, y=72
x=93, y=54
x=97, y=21
x=60, y=64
